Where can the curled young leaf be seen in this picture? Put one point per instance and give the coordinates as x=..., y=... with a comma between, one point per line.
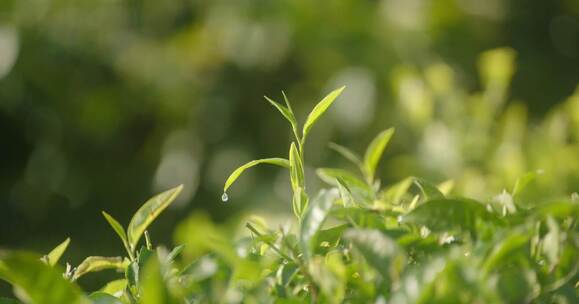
x=282, y=162
x=98, y=263
x=296, y=168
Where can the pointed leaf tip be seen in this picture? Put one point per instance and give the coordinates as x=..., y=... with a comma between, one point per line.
x=235, y=175
x=148, y=213
x=319, y=110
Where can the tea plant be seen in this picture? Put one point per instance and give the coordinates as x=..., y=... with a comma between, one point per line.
x=356, y=241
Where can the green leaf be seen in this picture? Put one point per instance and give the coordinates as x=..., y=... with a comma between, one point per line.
x=300, y=202
x=282, y=162
x=331, y=175
x=296, y=168
x=446, y=187
x=331, y=235
x=38, y=282
x=54, y=255
x=154, y=287
x=558, y=209
x=374, y=152
x=447, y=214
x=148, y=213
x=8, y=301
x=287, y=102
x=104, y=298
x=378, y=249
x=287, y=113
x=394, y=193
x=284, y=275
x=319, y=110
x=505, y=250
x=174, y=253
x=522, y=182
x=429, y=190
x=347, y=154
x=134, y=270
x=313, y=219
x=98, y=263
x=329, y=273
x=118, y=228
x=345, y=194
x=362, y=217
x=115, y=287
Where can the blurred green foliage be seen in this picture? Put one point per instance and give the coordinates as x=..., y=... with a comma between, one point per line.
x=104, y=102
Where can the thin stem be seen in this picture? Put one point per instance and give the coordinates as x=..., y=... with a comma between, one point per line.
x=269, y=243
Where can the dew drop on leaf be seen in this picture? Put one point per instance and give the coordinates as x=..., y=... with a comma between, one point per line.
x=224, y=197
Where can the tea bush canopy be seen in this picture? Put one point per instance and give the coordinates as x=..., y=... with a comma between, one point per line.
x=352, y=242
x=416, y=151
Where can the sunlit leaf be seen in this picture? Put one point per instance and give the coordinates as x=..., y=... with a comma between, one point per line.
x=300, y=201
x=429, y=190
x=331, y=235
x=40, y=283
x=330, y=275
x=505, y=250
x=155, y=289
x=313, y=219
x=522, y=182
x=394, y=193
x=345, y=194
x=378, y=249
x=104, y=298
x=296, y=168
x=446, y=187
x=148, y=213
x=54, y=255
x=285, y=273
x=374, y=152
x=447, y=214
x=271, y=161
x=114, y=287
x=98, y=263
x=558, y=209
x=319, y=110
x=331, y=175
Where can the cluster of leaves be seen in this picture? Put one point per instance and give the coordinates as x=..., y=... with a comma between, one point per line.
x=354, y=242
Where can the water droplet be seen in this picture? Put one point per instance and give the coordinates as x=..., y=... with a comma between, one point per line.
x=285, y=262
x=224, y=197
